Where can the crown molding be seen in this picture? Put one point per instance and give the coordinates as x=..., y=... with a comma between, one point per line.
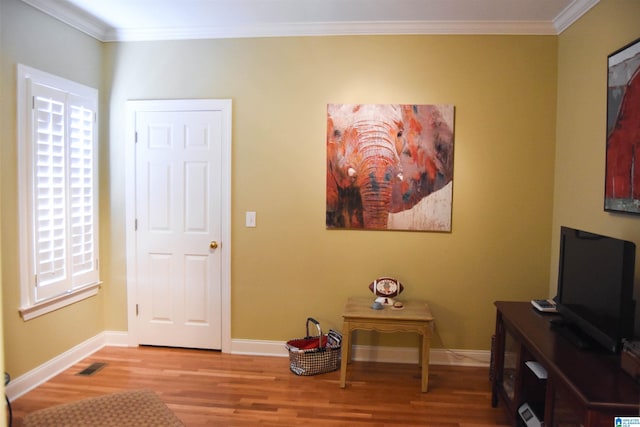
x=72, y=16
x=334, y=29
x=99, y=30
x=572, y=13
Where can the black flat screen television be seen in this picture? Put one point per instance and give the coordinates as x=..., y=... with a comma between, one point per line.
x=595, y=286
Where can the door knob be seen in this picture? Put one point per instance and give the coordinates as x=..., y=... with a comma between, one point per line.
x=213, y=244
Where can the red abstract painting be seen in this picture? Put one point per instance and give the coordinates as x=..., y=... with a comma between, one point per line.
x=622, y=179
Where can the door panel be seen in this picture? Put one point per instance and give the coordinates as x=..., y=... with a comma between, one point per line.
x=178, y=180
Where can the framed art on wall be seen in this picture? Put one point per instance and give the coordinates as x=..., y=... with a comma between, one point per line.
x=389, y=167
x=622, y=176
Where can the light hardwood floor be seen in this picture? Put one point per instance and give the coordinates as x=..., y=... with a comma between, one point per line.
x=205, y=388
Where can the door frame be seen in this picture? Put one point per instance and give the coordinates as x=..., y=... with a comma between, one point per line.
x=133, y=106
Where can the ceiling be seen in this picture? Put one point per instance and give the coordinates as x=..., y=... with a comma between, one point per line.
x=131, y=20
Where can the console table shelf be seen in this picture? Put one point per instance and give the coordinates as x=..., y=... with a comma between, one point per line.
x=583, y=387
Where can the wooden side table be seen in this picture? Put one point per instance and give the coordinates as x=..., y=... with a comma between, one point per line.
x=414, y=317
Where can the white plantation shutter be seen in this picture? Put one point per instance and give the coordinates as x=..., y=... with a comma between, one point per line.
x=50, y=228
x=81, y=198
x=64, y=187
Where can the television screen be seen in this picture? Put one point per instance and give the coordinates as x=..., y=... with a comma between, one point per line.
x=595, y=286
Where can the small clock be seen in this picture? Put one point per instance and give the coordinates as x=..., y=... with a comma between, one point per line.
x=385, y=288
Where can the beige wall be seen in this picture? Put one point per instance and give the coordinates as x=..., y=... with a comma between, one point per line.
x=581, y=131
x=290, y=266
x=31, y=38
x=506, y=203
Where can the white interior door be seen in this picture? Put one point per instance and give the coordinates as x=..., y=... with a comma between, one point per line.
x=179, y=247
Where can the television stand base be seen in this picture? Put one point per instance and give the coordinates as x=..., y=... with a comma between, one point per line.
x=572, y=334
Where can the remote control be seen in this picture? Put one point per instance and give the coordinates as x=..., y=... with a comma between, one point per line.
x=545, y=305
x=528, y=416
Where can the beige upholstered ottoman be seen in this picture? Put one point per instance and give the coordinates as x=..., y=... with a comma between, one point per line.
x=127, y=408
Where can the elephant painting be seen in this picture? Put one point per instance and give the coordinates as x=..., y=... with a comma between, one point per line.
x=389, y=166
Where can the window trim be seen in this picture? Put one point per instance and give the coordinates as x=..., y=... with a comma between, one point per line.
x=38, y=309
x=29, y=307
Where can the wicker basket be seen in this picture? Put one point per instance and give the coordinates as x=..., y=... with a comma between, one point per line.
x=314, y=355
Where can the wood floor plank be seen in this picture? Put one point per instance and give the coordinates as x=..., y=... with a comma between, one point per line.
x=205, y=388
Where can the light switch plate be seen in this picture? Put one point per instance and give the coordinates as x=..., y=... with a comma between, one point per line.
x=250, y=219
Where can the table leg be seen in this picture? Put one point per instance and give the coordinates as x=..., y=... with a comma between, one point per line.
x=345, y=353
x=425, y=359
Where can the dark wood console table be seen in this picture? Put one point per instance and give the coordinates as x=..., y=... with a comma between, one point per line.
x=583, y=387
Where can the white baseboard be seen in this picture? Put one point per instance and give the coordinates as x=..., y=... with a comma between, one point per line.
x=452, y=357
x=27, y=382
x=437, y=356
x=259, y=348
